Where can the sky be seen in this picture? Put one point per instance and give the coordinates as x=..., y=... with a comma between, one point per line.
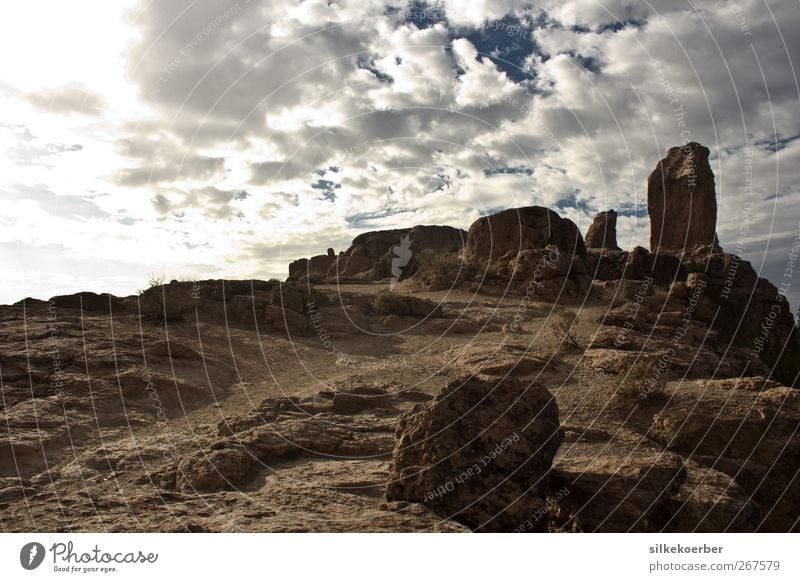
x=221, y=138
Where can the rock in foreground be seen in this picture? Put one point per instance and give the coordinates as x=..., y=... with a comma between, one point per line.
x=479, y=453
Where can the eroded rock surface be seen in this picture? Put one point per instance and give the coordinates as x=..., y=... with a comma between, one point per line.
x=479, y=453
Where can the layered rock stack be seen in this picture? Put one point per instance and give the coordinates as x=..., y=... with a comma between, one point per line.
x=602, y=234
x=681, y=201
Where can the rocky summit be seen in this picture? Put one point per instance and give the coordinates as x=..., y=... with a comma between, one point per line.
x=512, y=378
x=681, y=200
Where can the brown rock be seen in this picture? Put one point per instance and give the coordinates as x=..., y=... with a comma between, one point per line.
x=602, y=233
x=681, y=201
x=750, y=435
x=612, y=482
x=314, y=269
x=479, y=453
x=380, y=255
x=210, y=471
x=519, y=229
x=710, y=501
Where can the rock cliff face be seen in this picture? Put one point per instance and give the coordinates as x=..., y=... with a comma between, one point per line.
x=681, y=201
x=529, y=250
x=314, y=269
x=602, y=233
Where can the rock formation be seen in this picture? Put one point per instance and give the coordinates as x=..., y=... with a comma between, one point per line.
x=314, y=269
x=479, y=453
x=520, y=229
x=528, y=250
x=381, y=255
x=602, y=233
x=745, y=310
x=681, y=200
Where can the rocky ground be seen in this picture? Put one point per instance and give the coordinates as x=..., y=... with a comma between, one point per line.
x=218, y=420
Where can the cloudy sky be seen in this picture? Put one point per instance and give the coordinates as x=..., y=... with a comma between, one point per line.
x=223, y=138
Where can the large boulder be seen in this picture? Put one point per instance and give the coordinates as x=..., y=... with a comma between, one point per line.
x=479, y=453
x=602, y=233
x=681, y=201
x=207, y=472
x=520, y=229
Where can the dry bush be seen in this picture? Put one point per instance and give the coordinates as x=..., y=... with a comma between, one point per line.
x=642, y=381
x=563, y=325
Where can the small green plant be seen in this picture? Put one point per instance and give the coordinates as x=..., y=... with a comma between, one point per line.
x=563, y=326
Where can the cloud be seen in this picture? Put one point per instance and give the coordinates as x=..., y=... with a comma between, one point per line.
x=189, y=168
x=65, y=206
x=337, y=117
x=74, y=98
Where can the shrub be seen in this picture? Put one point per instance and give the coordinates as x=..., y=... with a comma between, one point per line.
x=563, y=327
x=642, y=381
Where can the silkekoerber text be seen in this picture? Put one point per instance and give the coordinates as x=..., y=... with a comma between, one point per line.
x=680, y=549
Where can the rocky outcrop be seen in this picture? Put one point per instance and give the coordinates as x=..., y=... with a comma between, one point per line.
x=270, y=305
x=528, y=250
x=210, y=471
x=716, y=289
x=89, y=301
x=66, y=377
x=681, y=200
x=510, y=232
x=636, y=265
x=615, y=480
x=479, y=453
x=314, y=270
x=602, y=233
x=746, y=430
x=383, y=255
